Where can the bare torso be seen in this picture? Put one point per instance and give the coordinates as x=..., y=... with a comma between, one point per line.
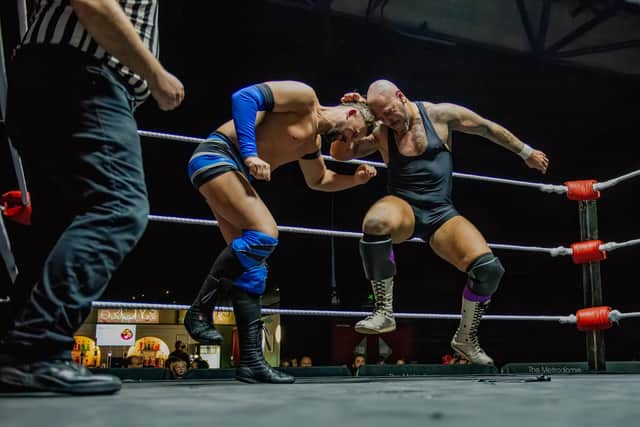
x=282, y=137
x=414, y=142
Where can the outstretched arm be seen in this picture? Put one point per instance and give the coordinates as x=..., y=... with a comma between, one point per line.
x=464, y=120
x=318, y=177
x=282, y=96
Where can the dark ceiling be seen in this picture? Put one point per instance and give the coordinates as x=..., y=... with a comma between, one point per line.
x=602, y=34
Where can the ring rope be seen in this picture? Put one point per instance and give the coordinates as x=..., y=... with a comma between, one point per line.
x=584, y=318
x=333, y=313
x=334, y=233
x=615, y=181
x=546, y=188
x=557, y=251
x=621, y=316
x=610, y=246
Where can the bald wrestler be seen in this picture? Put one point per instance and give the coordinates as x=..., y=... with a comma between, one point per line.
x=415, y=142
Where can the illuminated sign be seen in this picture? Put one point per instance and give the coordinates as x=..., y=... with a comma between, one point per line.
x=116, y=334
x=128, y=315
x=223, y=318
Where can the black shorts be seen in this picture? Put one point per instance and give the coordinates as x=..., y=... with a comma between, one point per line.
x=213, y=158
x=428, y=220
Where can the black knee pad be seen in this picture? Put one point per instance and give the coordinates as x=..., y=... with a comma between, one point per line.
x=377, y=258
x=485, y=273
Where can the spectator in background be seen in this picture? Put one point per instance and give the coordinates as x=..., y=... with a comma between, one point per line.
x=180, y=352
x=294, y=362
x=176, y=368
x=285, y=363
x=458, y=359
x=401, y=361
x=199, y=364
x=455, y=359
x=359, y=360
x=134, y=362
x=306, y=361
x=380, y=360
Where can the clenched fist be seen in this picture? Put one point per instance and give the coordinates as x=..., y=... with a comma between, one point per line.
x=258, y=168
x=364, y=173
x=538, y=160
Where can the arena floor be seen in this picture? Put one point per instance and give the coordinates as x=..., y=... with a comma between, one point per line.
x=479, y=401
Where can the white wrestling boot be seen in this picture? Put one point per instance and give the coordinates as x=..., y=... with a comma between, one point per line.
x=381, y=320
x=465, y=341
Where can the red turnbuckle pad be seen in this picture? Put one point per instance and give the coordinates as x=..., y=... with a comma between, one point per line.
x=593, y=318
x=582, y=190
x=14, y=209
x=587, y=251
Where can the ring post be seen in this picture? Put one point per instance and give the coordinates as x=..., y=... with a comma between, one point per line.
x=335, y=300
x=592, y=284
x=5, y=245
x=15, y=157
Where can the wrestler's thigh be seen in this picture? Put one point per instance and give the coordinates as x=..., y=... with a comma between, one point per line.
x=231, y=197
x=390, y=215
x=458, y=242
x=229, y=231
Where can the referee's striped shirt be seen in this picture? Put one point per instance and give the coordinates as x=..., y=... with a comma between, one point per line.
x=54, y=22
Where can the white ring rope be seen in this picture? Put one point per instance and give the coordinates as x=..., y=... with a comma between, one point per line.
x=335, y=313
x=334, y=233
x=546, y=188
x=615, y=181
x=171, y=137
x=621, y=316
x=610, y=246
x=557, y=251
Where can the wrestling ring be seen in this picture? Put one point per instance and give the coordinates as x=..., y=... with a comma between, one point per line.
x=588, y=252
x=398, y=395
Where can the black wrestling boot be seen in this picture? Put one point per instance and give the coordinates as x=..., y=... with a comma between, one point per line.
x=199, y=318
x=252, y=367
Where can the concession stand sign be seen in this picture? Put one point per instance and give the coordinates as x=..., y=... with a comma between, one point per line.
x=128, y=315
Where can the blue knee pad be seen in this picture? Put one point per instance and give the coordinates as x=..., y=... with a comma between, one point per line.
x=252, y=250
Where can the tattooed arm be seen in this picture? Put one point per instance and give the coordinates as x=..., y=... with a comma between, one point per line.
x=360, y=148
x=464, y=120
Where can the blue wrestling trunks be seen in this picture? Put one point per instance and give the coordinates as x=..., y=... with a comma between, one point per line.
x=213, y=158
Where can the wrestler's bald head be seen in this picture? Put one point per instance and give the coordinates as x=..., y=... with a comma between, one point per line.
x=389, y=105
x=381, y=89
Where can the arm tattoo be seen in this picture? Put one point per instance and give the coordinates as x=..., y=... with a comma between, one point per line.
x=364, y=147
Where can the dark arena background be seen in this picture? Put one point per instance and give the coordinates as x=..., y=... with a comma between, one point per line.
x=563, y=76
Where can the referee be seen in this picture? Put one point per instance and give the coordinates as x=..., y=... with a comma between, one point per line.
x=75, y=80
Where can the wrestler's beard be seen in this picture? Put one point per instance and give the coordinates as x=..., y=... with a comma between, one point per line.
x=403, y=125
x=406, y=120
x=406, y=124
